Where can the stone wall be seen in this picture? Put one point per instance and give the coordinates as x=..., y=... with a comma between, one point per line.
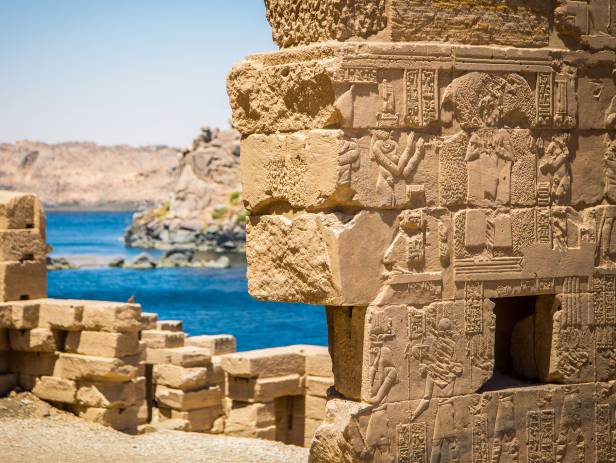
x=443, y=178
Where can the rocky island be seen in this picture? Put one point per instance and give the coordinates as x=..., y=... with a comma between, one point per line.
x=204, y=211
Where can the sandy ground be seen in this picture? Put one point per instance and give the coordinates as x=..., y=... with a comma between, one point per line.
x=32, y=431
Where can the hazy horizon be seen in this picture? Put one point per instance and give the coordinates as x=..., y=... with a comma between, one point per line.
x=122, y=73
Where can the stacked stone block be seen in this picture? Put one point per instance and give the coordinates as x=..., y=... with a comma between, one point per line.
x=84, y=356
x=186, y=391
x=23, y=248
x=278, y=393
x=442, y=175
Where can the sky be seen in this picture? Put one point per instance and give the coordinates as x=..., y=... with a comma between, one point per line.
x=138, y=72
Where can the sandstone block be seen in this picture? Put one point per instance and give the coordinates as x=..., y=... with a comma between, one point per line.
x=170, y=325
x=318, y=361
x=90, y=368
x=121, y=419
x=23, y=280
x=140, y=389
x=310, y=429
x=201, y=420
x=246, y=416
x=263, y=389
x=35, y=340
x=26, y=381
x=186, y=401
x=148, y=320
x=20, y=211
x=157, y=339
x=187, y=356
x=60, y=314
x=22, y=246
x=218, y=344
x=318, y=385
x=315, y=407
x=267, y=433
x=216, y=374
x=277, y=361
x=172, y=425
x=334, y=270
x=186, y=379
x=107, y=395
x=143, y=414
x=112, y=316
x=24, y=315
x=103, y=344
x=34, y=363
x=8, y=381
x=55, y=389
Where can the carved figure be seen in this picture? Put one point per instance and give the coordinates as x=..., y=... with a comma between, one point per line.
x=571, y=428
x=556, y=163
x=438, y=364
x=394, y=165
x=490, y=157
x=505, y=437
x=383, y=376
x=348, y=160
x=406, y=252
x=610, y=152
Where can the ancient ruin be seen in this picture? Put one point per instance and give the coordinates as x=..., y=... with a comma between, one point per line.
x=111, y=363
x=442, y=175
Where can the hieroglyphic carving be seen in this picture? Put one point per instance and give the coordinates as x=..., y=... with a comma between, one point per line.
x=419, y=443
x=545, y=101
x=563, y=117
x=571, y=436
x=394, y=166
x=357, y=75
x=421, y=86
x=603, y=434
x=556, y=164
x=404, y=440
x=387, y=117
x=540, y=436
x=544, y=226
x=348, y=160
x=505, y=430
x=406, y=252
x=481, y=450
x=473, y=308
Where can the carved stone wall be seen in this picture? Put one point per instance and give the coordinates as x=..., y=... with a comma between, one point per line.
x=444, y=180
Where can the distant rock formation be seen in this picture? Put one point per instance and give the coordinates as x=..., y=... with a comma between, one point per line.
x=205, y=211
x=86, y=176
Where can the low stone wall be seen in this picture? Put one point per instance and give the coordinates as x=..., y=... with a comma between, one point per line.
x=83, y=356
x=113, y=364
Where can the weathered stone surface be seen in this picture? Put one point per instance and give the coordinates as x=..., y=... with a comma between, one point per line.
x=34, y=363
x=8, y=381
x=21, y=211
x=22, y=280
x=169, y=325
x=60, y=314
x=264, y=363
x=103, y=344
x=111, y=316
x=157, y=339
x=148, y=320
x=186, y=401
x=22, y=246
x=121, y=419
x=201, y=420
x=311, y=258
x=186, y=379
x=443, y=177
x=55, y=389
x=35, y=340
x=108, y=395
x=266, y=389
x=318, y=385
x=218, y=344
x=187, y=356
x=89, y=368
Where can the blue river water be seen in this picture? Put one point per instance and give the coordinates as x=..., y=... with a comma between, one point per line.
x=209, y=301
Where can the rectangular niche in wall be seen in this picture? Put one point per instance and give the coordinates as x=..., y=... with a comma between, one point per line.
x=523, y=341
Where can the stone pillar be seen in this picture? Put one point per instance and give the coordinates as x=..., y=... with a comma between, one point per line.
x=442, y=176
